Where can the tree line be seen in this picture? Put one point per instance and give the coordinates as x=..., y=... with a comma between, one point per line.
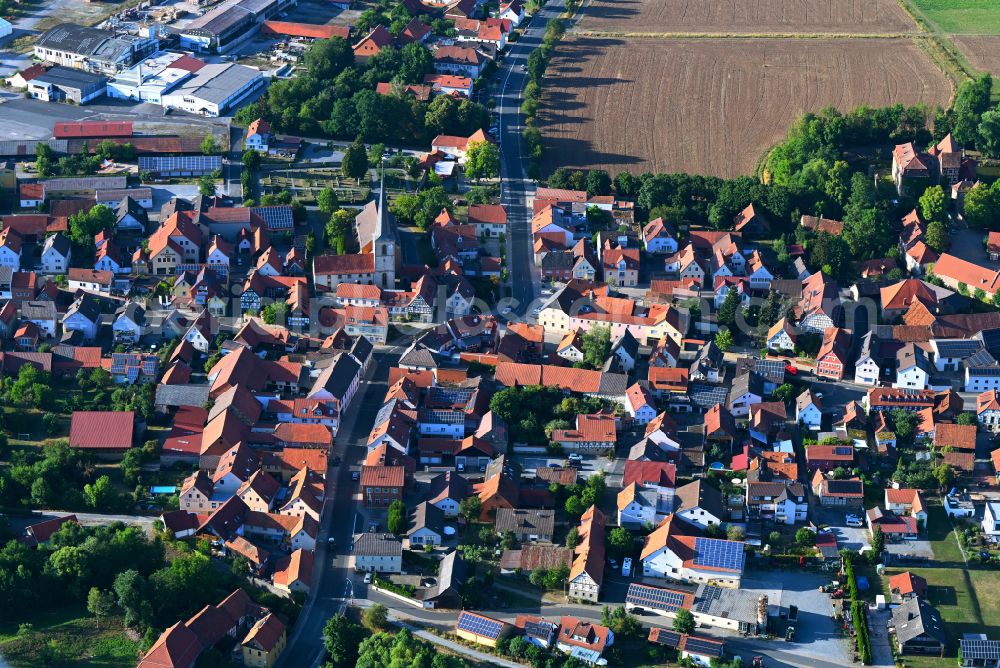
x=335, y=97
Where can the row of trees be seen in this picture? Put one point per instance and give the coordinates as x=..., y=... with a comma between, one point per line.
x=538, y=61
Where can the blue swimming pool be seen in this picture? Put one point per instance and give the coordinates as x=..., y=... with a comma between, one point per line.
x=162, y=489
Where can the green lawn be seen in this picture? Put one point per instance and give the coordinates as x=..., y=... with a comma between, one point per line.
x=67, y=636
x=963, y=17
x=942, y=537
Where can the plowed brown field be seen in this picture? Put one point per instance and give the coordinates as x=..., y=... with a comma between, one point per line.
x=712, y=106
x=746, y=16
x=983, y=51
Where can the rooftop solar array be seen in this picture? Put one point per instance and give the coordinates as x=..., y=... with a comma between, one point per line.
x=707, y=597
x=481, y=626
x=179, y=163
x=123, y=362
x=716, y=553
x=957, y=347
x=442, y=416
x=451, y=396
x=703, y=646
x=707, y=396
x=538, y=629
x=659, y=598
x=275, y=217
x=668, y=637
x=980, y=649
x=981, y=361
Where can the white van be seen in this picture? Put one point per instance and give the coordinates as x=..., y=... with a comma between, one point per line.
x=627, y=567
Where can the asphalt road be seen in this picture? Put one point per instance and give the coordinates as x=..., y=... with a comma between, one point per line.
x=330, y=591
x=517, y=189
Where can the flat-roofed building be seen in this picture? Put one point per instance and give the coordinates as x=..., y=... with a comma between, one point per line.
x=214, y=89
x=149, y=80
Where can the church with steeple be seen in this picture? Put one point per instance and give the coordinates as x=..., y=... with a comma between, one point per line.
x=376, y=229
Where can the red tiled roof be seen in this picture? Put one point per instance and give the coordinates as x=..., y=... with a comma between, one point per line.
x=959, y=436
x=908, y=583
x=663, y=474
x=489, y=214
x=422, y=93
x=295, y=567
x=292, y=432
x=305, y=30
x=96, y=129
x=383, y=476
x=356, y=263
x=102, y=430
x=973, y=275
x=598, y=427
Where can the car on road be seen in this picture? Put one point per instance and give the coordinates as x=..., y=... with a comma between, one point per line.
x=854, y=521
x=613, y=562
x=627, y=567
x=331, y=541
x=507, y=310
x=368, y=578
x=355, y=475
x=575, y=457
x=791, y=369
x=523, y=68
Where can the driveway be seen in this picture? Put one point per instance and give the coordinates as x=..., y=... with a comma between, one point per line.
x=878, y=620
x=815, y=632
x=851, y=538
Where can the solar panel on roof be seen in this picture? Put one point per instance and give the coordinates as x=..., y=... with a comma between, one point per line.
x=707, y=396
x=708, y=596
x=715, y=553
x=980, y=649
x=669, y=638
x=654, y=597
x=703, y=646
x=481, y=626
x=538, y=629
x=179, y=163
x=275, y=217
x=957, y=348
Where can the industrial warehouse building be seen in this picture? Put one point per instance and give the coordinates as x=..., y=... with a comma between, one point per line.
x=58, y=84
x=92, y=49
x=150, y=79
x=214, y=89
x=227, y=25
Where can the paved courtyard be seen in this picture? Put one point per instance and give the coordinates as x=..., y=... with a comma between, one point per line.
x=815, y=632
x=851, y=538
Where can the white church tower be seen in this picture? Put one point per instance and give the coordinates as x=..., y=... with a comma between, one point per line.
x=377, y=235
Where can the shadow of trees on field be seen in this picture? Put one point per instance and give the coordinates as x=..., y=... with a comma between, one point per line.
x=613, y=10
x=565, y=86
